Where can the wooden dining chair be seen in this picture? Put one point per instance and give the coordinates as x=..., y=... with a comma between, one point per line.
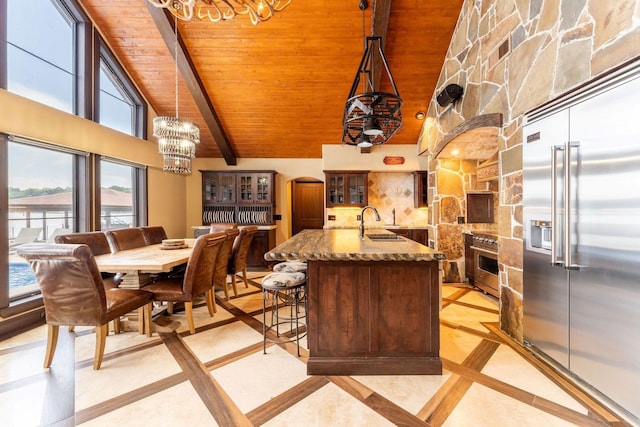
x=122, y=239
x=239, y=252
x=74, y=294
x=222, y=262
x=216, y=227
x=153, y=234
x=197, y=278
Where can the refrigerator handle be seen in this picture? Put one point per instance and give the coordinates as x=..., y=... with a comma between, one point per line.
x=567, y=205
x=554, y=203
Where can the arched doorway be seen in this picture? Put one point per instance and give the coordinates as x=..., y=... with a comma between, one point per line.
x=307, y=204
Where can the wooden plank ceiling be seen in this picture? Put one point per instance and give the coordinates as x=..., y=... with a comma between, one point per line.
x=278, y=89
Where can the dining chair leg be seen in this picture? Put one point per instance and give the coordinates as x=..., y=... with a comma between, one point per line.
x=234, y=286
x=188, y=309
x=72, y=328
x=170, y=308
x=117, y=326
x=211, y=302
x=141, y=320
x=52, y=341
x=101, y=338
x=148, y=317
x=244, y=277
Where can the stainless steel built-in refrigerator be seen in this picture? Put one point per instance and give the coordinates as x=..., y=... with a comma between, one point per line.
x=581, y=197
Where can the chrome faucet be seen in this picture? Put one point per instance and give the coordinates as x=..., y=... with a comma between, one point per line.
x=375, y=211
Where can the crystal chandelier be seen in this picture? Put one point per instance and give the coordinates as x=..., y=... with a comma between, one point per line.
x=371, y=117
x=220, y=10
x=177, y=138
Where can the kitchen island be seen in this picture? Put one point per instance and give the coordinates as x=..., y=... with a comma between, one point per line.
x=373, y=302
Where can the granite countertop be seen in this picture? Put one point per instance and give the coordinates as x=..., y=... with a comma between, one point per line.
x=346, y=245
x=374, y=226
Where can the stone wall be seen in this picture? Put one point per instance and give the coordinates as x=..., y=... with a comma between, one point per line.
x=553, y=47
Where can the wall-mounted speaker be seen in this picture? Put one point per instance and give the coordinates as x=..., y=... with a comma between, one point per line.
x=449, y=94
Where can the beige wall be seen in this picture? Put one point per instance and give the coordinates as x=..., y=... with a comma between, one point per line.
x=287, y=170
x=20, y=116
x=555, y=46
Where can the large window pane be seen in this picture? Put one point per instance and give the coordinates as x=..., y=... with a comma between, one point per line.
x=117, y=182
x=40, y=60
x=117, y=111
x=40, y=205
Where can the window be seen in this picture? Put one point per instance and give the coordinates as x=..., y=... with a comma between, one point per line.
x=40, y=42
x=120, y=106
x=42, y=203
x=122, y=188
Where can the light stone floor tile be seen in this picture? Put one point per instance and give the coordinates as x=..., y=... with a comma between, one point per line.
x=122, y=375
x=257, y=378
x=22, y=406
x=214, y=343
x=249, y=303
x=85, y=342
x=33, y=335
x=22, y=364
x=460, y=315
x=410, y=392
x=329, y=406
x=508, y=366
x=456, y=345
x=170, y=407
x=480, y=299
x=488, y=408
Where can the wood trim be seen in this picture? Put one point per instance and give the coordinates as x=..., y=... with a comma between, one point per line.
x=165, y=24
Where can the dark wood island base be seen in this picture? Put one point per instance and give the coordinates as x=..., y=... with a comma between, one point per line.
x=373, y=307
x=373, y=318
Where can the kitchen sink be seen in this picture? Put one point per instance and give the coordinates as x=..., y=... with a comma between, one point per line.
x=384, y=237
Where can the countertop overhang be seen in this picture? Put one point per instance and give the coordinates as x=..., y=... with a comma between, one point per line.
x=347, y=245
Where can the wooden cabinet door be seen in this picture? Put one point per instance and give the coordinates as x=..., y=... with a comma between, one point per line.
x=255, y=188
x=218, y=187
x=420, y=187
x=347, y=188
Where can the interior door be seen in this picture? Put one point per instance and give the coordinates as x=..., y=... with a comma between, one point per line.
x=307, y=205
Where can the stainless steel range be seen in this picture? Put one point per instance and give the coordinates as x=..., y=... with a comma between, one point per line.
x=485, y=249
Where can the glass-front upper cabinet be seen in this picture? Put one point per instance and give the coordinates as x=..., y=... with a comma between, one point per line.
x=219, y=187
x=346, y=188
x=255, y=187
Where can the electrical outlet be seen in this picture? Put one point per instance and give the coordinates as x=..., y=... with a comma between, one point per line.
x=332, y=217
x=277, y=217
x=358, y=217
x=460, y=220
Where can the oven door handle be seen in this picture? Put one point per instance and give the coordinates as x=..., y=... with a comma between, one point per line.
x=486, y=251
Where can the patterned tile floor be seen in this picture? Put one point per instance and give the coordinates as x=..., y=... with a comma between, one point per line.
x=219, y=376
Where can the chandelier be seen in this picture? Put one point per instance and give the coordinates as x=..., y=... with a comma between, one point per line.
x=177, y=138
x=220, y=10
x=371, y=117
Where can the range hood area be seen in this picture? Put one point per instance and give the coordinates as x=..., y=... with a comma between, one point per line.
x=474, y=139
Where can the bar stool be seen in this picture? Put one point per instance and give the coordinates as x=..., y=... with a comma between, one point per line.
x=284, y=290
x=290, y=267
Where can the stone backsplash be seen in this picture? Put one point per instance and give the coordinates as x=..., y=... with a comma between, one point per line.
x=387, y=191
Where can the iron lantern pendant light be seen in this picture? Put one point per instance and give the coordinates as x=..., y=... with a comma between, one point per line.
x=372, y=113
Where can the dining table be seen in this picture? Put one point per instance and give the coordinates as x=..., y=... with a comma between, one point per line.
x=139, y=264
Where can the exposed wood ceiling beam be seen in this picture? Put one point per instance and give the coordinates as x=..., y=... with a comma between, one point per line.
x=165, y=23
x=381, y=12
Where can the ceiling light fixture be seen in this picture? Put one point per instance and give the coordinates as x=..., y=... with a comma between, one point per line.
x=222, y=10
x=177, y=138
x=371, y=111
